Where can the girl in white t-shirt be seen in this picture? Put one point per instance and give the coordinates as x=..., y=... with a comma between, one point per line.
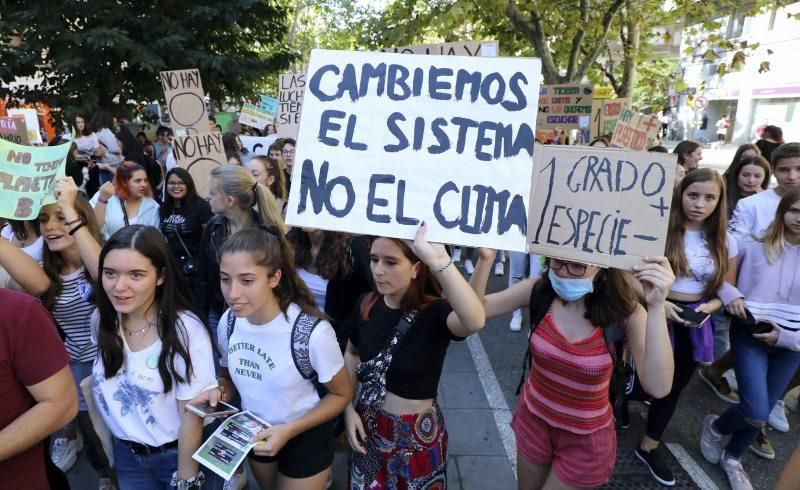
x=260, y=283
x=703, y=257
x=154, y=356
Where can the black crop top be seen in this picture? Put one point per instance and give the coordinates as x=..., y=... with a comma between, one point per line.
x=417, y=363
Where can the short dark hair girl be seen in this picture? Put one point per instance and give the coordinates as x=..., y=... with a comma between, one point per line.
x=171, y=299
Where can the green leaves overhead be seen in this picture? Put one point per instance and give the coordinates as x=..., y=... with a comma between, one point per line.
x=82, y=55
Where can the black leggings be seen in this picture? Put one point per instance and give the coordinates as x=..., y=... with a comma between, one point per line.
x=661, y=410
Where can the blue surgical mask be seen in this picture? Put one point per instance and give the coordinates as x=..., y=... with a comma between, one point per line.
x=571, y=289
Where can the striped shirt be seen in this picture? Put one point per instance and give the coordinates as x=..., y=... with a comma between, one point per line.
x=72, y=310
x=568, y=384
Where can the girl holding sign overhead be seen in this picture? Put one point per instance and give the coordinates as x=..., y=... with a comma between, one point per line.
x=583, y=319
x=704, y=256
x=399, y=337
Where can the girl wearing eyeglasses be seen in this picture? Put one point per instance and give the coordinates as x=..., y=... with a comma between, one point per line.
x=564, y=419
x=183, y=218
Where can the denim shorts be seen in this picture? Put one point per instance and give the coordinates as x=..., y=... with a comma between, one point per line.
x=80, y=371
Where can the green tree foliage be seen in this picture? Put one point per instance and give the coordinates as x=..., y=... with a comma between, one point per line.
x=603, y=40
x=81, y=55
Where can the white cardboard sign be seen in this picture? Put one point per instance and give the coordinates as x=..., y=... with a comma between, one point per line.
x=258, y=145
x=388, y=141
x=600, y=206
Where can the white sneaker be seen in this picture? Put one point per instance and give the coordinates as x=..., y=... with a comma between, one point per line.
x=516, y=321
x=456, y=254
x=469, y=267
x=65, y=452
x=237, y=482
x=736, y=474
x=711, y=443
x=731, y=377
x=499, y=269
x=777, y=417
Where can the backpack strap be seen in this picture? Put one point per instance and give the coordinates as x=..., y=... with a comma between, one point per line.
x=303, y=326
x=231, y=324
x=540, y=301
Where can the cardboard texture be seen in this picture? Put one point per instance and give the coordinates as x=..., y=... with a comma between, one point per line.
x=600, y=206
x=183, y=91
x=635, y=132
x=460, y=48
x=605, y=114
x=199, y=154
x=290, y=103
x=13, y=129
x=381, y=158
x=31, y=118
x=563, y=106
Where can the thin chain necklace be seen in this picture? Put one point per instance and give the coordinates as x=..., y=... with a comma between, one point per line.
x=140, y=331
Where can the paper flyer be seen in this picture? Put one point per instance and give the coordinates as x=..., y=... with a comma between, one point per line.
x=227, y=447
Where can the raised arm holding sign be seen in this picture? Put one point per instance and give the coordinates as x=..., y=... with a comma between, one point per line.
x=388, y=141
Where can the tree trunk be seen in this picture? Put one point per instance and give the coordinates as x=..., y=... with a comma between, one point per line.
x=630, y=55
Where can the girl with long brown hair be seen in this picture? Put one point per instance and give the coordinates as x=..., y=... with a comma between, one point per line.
x=564, y=418
x=703, y=257
x=395, y=355
x=335, y=267
x=295, y=380
x=765, y=342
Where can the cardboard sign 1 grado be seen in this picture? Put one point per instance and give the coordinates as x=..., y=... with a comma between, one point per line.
x=600, y=206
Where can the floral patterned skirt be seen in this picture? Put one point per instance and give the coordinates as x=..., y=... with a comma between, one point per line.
x=403, y=451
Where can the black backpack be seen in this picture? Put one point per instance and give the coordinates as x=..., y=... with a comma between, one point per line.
x=303, y=326
x=622, y=376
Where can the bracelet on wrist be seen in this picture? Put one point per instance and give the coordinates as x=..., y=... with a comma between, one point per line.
x=72, y=231
x=437, y=271
x=196, y=481
x=100, y=200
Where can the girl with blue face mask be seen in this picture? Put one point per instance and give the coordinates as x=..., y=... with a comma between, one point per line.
x=564, y=419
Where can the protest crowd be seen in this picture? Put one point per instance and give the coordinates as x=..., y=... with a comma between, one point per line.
x=138, y=292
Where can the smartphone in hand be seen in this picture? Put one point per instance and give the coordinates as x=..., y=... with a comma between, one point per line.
x=694, y=317
x=206, y=410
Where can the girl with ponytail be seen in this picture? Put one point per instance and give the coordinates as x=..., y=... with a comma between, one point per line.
x=296, y=354
x=238, y=202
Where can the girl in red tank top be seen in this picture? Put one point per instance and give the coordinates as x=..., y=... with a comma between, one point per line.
x=563, y=421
